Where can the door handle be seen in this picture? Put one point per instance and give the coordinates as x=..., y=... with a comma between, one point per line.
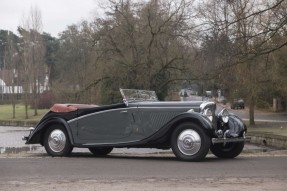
x=125, y=111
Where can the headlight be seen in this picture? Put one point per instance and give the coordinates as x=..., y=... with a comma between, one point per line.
x=224, y=115
x=208, y=113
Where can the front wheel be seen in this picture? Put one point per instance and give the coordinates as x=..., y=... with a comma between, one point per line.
x=227, y=150
x=56, y=141
x=189, y=142
x=101, y=151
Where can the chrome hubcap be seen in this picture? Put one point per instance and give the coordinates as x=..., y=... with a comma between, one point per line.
x=57, y=140
x=189, y=142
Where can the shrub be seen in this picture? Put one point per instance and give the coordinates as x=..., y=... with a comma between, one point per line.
x=46, y=100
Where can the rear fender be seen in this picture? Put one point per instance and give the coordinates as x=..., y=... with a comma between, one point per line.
x=36, y=137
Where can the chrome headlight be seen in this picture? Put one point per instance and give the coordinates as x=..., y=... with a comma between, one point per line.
x=224, y=115
x=208, y=113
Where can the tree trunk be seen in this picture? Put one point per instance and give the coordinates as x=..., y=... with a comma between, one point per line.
x=26, y=106
x=35, y=107
x=35, y=99
x=13, y=96
x=251, y=111
x=13, y=104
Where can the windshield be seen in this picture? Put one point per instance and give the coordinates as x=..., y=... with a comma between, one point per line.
x=133, y=95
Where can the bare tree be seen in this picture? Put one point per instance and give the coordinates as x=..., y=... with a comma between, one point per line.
x=249, y=27
x=159, y=44
x=144, y=45
x=33, y=56
x=11, y=60
x=75, y=63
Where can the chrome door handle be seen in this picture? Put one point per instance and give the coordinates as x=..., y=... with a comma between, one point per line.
x=125, y=111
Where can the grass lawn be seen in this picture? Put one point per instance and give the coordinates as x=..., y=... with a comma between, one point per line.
x=269, y=127
x=276, y=130
x=6, y=113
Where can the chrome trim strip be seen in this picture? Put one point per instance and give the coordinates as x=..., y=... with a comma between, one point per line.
x=96, y=113
x=168, y=107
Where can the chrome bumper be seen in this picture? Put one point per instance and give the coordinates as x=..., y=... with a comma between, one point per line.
x=25, y=138
x=230, y=140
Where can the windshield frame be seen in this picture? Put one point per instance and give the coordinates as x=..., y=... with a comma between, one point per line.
x=135, y=95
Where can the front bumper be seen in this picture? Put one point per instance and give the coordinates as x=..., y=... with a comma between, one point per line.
x=230, y=140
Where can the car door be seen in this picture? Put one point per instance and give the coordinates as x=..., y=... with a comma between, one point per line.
x=152, y=116
x=110, y=126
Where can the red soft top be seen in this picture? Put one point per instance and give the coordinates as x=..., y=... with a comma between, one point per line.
x=62, y=108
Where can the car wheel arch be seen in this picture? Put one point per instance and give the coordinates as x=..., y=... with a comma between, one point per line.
x=42, y=129
x=207, y=130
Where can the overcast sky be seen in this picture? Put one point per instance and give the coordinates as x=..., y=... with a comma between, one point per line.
x=56, y=14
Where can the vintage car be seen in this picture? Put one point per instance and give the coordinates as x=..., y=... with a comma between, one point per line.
x=190, y=129
x=237, y=104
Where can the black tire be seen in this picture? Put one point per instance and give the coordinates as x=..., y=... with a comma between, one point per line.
x=229, y=150
x=52, y=143
x=189, y=142
x=100, y=151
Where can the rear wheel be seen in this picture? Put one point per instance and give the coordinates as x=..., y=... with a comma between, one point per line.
x=56, y=141
x=101, y=151
x=228, y=150
x=189, y=142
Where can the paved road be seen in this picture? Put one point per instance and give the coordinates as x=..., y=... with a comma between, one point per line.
x=29, y=168
x=142, y=173
x=129, y=167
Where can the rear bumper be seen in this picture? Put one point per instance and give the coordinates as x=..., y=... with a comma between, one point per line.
x=25, y=138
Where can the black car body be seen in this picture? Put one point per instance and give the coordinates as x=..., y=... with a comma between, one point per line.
x=190, y=129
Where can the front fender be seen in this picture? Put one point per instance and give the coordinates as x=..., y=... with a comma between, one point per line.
x=163, y=135
x=236, y=125
x=36, y=137
x=193, y=117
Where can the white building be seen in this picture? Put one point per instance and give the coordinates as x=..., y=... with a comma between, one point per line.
x=4, y=89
